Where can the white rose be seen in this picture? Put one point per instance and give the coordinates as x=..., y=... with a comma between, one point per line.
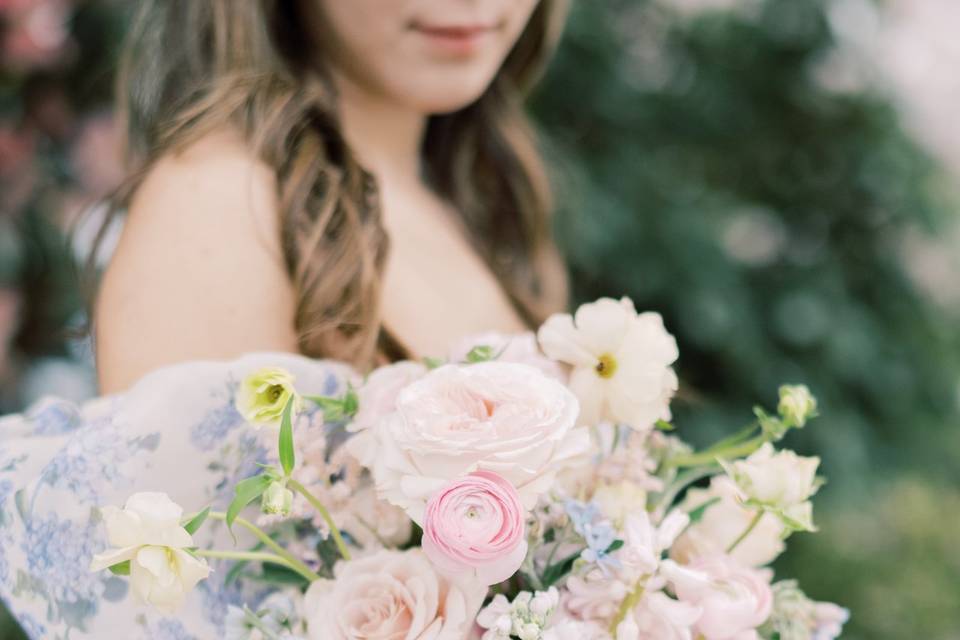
x=390, y=594
x=521, y=348
x=621, y=361
x=722, y=523
x=779, y=481
x=147, y=532
x=494, y=416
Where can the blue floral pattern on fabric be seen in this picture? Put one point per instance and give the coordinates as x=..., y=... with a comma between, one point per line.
x=175, y=431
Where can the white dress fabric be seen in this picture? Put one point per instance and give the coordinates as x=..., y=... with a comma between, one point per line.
x=175, y=431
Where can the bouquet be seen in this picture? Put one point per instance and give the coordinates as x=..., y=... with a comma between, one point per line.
x=523, y=487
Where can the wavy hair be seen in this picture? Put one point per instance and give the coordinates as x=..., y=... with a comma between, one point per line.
x=191, y=67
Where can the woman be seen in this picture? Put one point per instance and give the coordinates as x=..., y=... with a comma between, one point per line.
x=275, y=148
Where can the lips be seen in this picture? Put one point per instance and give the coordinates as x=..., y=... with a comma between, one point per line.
x=455, y=39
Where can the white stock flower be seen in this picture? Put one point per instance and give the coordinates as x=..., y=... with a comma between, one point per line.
x=722, y=523
x=494, y=416
x=621, y=361
x=147, y=532
x=617, y=501
x=526, y=617
x=645, y=543
x=779, y=481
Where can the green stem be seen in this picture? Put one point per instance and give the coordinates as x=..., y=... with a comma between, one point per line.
x=682, y=481
x=746, y=532
x=262, y=536
x=322, y=510
x=736, y=438
x=710, y=455
x=252, y=556
x=632, y=599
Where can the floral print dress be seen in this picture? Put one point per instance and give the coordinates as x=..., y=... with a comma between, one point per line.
x=175, y=431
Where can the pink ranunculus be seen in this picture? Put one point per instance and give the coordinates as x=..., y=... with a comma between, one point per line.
x=494, y=416
x=735, y=599
x=391, y=595
x=475, y=527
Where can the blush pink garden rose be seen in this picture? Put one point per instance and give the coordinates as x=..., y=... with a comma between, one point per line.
x=377, y=394
x=395, y=595
x=734, y=599
x=493, y=416
x=474, y=527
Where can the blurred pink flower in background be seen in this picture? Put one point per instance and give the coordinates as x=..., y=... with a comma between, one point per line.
x=36, y=34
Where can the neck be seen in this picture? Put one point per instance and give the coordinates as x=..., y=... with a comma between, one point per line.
x=385, y=137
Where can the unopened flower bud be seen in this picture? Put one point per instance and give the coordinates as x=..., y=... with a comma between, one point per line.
x=797, y=404
x=277, y=499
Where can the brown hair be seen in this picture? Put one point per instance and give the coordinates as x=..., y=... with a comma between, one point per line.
x=191, y=67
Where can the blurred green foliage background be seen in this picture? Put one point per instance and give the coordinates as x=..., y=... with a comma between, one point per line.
x=706, y=170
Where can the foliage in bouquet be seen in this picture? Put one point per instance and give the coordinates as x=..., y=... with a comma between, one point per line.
x=525, y=487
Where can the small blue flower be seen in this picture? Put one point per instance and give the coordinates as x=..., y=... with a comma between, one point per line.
x=598, y=534
x=581, y=514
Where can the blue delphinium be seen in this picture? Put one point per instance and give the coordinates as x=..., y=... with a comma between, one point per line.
x=598, y=534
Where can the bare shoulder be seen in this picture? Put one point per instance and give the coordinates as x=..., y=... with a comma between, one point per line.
x=199, y=270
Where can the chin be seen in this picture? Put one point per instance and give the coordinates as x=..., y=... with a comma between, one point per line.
x=445, y=92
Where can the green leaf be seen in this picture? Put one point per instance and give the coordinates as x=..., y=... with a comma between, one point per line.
x=246, y=492
x=121, y=568
x=433, y=363
x=559, y=569
x=480, y=353
x=697, y=513
x=351, y=402
x=196, y=521
x=616, y=544
x=663, y=425
x=287, y=458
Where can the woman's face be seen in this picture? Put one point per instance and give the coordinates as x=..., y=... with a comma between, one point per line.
x=433, y=56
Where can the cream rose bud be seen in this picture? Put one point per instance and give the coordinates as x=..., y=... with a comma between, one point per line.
x=734, y=600
x=722, y=523
x=391, y=594
x=263, y=395
x=797, y=404
x=502, y=417
x=148, y=534
x=779, y=481
x=621, y=361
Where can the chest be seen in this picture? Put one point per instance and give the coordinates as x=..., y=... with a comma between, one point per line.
x=436, y=288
